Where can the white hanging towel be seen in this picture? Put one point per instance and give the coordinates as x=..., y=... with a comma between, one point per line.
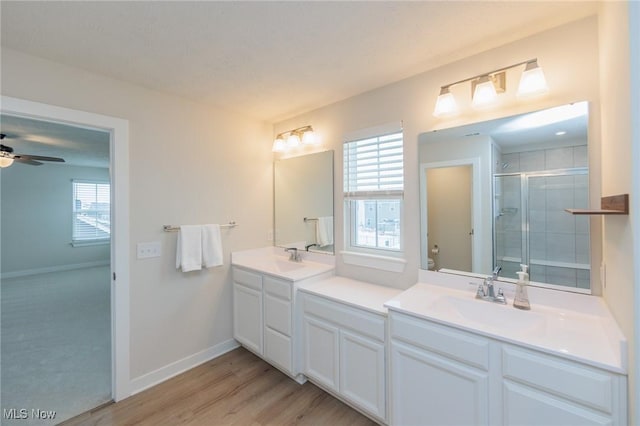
x=324, y=231
x=211, y=246
x=189, y=250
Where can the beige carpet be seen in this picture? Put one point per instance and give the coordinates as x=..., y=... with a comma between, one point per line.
x=56, y=343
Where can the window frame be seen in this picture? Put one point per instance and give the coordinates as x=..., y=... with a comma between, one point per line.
x=76, y=242
x=350, y=197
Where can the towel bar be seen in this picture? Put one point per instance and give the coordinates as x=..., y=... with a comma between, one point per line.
x=171, y=228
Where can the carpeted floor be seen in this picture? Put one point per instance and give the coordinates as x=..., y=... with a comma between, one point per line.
x=56, y=344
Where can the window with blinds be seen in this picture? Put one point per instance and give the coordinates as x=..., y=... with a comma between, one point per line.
x=91, y=212
x=373, y=191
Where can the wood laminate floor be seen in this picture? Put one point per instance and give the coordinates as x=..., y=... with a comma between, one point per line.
x=237, y=388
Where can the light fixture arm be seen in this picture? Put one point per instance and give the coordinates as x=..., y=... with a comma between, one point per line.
x=490, y=72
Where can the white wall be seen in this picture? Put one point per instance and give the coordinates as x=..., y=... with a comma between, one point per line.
x=37, y=204
x=569, y=56
x=190, y=164
x=617, y=174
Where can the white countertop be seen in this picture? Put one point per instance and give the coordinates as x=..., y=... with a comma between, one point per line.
x=370, y=297
x=582, y=330
x=274, y=261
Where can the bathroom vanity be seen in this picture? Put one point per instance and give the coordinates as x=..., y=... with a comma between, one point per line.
x=432, y=354
x=345, y=339
x=561, y=363
x=264, y=296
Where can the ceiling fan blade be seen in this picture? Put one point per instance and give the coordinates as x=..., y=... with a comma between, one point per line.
x=23, y=160
x=40, y=158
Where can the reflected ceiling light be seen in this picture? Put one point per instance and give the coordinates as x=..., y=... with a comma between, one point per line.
x=532, y=82
x=486, y=86
x=292, y=138
x=561, y=132
x=446, y=103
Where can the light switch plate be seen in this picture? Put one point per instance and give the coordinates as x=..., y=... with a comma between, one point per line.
x=148, y=250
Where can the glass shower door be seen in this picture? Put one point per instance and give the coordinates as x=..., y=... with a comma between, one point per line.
x=559, y=251
x=508, y=231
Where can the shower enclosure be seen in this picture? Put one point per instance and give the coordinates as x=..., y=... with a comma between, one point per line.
x=532, y=228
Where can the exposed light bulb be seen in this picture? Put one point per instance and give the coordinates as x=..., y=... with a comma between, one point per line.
x=279, y=145
x=293, y=140
x=484, y=93
x=5, y=162
x=445, y=104
x=532, y=81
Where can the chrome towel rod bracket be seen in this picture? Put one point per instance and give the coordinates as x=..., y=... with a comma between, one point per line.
x=171, y=228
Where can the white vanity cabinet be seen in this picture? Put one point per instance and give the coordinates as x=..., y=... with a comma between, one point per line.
x=263, y=318
x=344, y=352
x=444, y=375
x=439, y=375
x=247, y=309
x=553, y=391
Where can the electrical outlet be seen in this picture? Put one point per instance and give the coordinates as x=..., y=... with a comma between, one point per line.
x=147, y=250
x=270, y=235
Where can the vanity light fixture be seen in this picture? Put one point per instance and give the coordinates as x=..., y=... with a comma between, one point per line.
x=486, y=86
x=292, y=139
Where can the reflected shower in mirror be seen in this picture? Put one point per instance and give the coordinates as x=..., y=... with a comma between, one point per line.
x=303, y=202
x=495, y=194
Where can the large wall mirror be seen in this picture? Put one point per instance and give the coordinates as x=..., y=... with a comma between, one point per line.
x=495, y=193
x=303, y=201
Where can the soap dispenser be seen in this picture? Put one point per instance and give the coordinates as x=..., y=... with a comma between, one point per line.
x=521, y=299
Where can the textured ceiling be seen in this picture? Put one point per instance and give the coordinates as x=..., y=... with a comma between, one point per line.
x=270, y=60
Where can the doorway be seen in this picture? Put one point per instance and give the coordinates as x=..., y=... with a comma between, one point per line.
x=115, y=300
x=450, y=220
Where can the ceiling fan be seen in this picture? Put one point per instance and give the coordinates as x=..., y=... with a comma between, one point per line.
x=7, y=157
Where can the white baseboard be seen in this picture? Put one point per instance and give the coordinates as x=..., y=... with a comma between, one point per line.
x=168, y=371
x=57, y=268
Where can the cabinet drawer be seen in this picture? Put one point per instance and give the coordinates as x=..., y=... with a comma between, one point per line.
x=276, y=287
x=366, y=323
x=452, y=343
x=576, y=382
x=277, y=314
x=247, y=278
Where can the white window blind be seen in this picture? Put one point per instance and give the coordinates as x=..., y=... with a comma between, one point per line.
x=374, y=167
x=91, y=211
x=373, y=192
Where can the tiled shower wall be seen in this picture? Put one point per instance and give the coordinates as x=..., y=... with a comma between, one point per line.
x=556, y=238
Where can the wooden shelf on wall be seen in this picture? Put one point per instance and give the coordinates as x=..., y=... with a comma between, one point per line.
x=615, y=204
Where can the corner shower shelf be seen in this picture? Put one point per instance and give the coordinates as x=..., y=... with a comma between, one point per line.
x=615, y=204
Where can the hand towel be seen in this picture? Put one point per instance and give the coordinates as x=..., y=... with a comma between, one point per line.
x=211, y=246
x=189, y=250
x=324, y=231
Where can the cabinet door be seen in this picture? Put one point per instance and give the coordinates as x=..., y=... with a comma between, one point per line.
x=277, y=349
x=427, y=389
x=362, y=373
x=247, y=317
x=321, y=355
x=527, y=406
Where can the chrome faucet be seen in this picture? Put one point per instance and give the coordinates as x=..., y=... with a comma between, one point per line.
x=486, y=290
x=294, y=256
x=310, y=245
